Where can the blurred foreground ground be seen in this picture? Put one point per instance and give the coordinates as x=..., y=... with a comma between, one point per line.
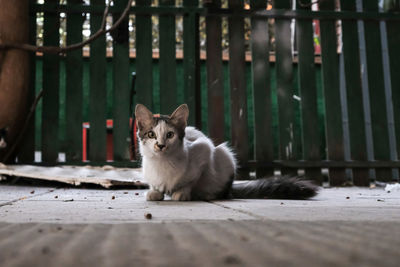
x=46, y=226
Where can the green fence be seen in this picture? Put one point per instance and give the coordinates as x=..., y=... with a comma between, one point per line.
x=269, y=129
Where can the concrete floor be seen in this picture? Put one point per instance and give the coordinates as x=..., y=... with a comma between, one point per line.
x=47, y=226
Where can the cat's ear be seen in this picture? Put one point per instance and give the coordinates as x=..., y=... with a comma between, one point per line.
x=180, y=115
x=144, y=117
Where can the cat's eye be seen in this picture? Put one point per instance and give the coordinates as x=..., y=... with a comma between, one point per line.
x=151, y=134
x=170, y=134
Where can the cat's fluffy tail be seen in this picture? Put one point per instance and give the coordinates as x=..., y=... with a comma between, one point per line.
x=275, y=187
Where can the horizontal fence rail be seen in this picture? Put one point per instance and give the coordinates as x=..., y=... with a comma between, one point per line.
x=328, y=116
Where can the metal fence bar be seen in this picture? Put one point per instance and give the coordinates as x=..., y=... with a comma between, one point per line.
x=263, y=147
x=308, y=94
x=215, y=76
x=121, y=88
x=191, y=64
x=74, y=90
x=144, y=58
x=358, y=142
x=238, y=92
x=168, y=90
x=51, y=79
x=284, y=83
x=393, y=36
x=98, y=94
x=333, y=114
x=380, y=131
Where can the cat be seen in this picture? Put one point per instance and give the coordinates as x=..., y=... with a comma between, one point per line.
x=182, y=162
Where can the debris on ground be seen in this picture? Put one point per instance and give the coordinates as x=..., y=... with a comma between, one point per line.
x=148, y=216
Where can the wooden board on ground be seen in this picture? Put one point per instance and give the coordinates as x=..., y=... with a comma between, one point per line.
x=106, y=176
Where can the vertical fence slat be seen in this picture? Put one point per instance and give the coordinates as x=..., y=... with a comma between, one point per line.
x=98, y=94
x=121, y=88
x=51, y=80
x=144, y=70
x=191, y=64
x=358, y=142
x=27, y=150
x=380, y=131
x=333, y=112
x=74, y=87
x=284, y=81
x=393, y=36
x=308, y=92
x=238, y=87
x=215, y=77
x=263, y=147
x=168, y=90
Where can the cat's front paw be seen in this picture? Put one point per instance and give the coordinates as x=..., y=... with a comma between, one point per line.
x=181, y=196
x=153, y=195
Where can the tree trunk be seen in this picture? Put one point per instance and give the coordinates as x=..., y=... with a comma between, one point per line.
x=14, y=70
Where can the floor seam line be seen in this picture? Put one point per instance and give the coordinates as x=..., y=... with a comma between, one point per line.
x=25, y=198
x=255, y=216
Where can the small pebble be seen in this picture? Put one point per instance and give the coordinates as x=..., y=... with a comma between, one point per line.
x=125, y=193
x=347, y=197
x=381, y=200
x=55, y=196
x=113, y=197
x=148, y=216
x=136, y=194
x=33, y=192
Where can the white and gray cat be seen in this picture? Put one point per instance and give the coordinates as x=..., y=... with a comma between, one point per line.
x=183, y=163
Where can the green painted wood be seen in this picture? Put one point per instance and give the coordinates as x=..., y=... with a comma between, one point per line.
x=191, y=64
x=263, y=147
x=333, y=112
x=215, y=76
x=311, y=139
x=237, y=78
x=168, y=90
x=97, y=94
x=380, y=132
x=284, y=81
x=358, y=143
x=393, y=36
x=51, y=86
x=144, y=58
x=74, y=89
x=122, y=88
x=27, y=149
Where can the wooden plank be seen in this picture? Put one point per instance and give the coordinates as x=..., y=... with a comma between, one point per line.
x=144, y=70
x=215, y=76
x=74, y=175
x=380, y=131
x=122, y=87
x=263, y=145
x=191, y=64
x=333, y=112
x=284, y=81
x=97, y=94
x=358, y=142
x=237, y=79
x=27, y=149
x=168, y=90
x=51, y=84
x=393, y=37
x=311, y=138
x=74, y=88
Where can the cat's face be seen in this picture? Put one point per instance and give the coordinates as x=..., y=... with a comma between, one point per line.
x=161, y=135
